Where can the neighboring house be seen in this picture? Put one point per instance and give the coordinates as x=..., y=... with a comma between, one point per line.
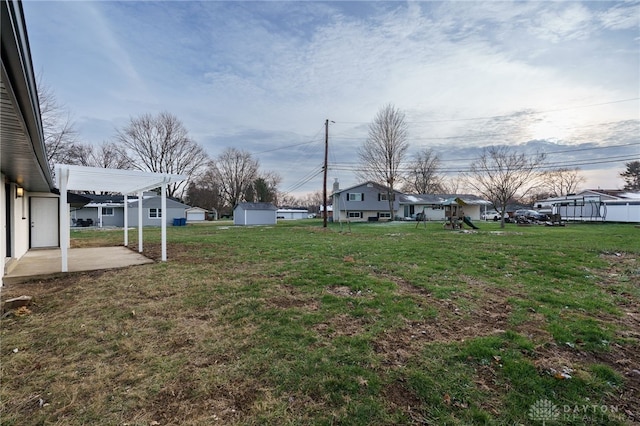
x=368, y=201
x=152, y=214
x=292, y=214
x=108, y=211
x=28, y=202
x=101, y=211
x=364, y=202
x=254, y=214
x=595, y=205
x=196, y=214
x=433, y=206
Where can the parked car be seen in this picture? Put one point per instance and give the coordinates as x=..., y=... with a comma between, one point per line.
x=530, y=215
x=490, y=215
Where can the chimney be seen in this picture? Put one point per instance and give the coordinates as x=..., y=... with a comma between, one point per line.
x=336, y=185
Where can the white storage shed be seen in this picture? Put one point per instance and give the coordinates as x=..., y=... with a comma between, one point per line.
x=254, y=214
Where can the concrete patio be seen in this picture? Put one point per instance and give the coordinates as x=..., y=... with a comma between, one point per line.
x=46, y=263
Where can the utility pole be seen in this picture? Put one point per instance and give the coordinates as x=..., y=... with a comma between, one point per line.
x=324, y=184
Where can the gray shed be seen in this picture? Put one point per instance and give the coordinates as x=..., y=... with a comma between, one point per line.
x=254, y=214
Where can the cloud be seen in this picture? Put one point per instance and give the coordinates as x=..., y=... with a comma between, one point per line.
x=262, y=75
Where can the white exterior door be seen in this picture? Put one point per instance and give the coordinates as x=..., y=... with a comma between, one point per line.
x=44, y=222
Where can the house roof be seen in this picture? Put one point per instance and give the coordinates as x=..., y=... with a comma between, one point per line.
x=24, y=158
x=602, y=195
x=256, y=206
x=368, y=183
x=77, y=200
x=81, y=178
x=441, y=199
x=155, y=202
x=613, y=193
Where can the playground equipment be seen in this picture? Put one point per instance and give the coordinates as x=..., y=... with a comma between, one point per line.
x=454, y=214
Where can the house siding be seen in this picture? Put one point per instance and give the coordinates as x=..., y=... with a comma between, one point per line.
x=174, y=210
x=370, y=206
x=15, y=214
x=132, y=214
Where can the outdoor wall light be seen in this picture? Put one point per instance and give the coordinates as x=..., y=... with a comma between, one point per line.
x=19, y=192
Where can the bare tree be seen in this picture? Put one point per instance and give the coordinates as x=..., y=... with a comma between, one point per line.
x=384, y=150
x=107, y=155
x=161, y=144
x=235, y=171
x=288, y=200
x=562, y=181
x=500, y=174
x=631, y=176
x=60, y=135
x=451, y=185
x=423, y=177
x=312, y=201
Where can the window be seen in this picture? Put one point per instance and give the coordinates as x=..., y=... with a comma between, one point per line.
x=384, y=215
x=155, y=213
x=107, y=211
x=355, y=196
x=357, y=215
x=384, y=196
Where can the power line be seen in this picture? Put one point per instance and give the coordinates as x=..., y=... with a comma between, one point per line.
x=313, y=140
x=305, y=179
x=473, y=135
x=555, y=165
x=565, y=151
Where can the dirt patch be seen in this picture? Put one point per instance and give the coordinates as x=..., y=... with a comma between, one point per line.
x=43, y=289
x=344, y=291
x=341, y=325
x=181, y=400
x=401, y=398
x=291, y=299
x=178, y=252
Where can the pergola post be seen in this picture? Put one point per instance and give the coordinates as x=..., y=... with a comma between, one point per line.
x=126, y=222
x=100, y=217
x=163, y=227
x=63, y=174
x=140, y=222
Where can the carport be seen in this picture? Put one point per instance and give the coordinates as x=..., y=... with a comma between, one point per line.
x=126, y=182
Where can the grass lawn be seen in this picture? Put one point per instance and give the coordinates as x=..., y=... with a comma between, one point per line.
x=379, y=324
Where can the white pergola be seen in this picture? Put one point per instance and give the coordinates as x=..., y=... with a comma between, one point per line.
x=126, y=182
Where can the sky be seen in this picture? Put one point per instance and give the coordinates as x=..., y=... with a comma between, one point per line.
x=559, y=77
